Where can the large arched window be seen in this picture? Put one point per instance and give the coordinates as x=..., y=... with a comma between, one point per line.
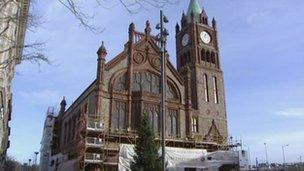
x=206, y=88
x=171, y=92
x=146, y=82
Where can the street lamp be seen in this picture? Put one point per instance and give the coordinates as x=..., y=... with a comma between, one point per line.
x=162, y=37
x=29, y=161
x=283, y=151
x=266, y=154
x=36, y=154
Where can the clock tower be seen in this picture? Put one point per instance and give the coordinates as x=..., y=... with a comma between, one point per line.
x=199, y=64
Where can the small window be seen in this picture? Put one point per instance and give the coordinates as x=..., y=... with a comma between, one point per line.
x=206, y=88
x=194, y=123
x=208, y=56
x=203, y=55
x=215, y=90
x=1, y=105
x=213, y=58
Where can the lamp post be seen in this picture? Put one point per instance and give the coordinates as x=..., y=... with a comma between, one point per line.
x=266, y=154
x=36, y=154
x=162, y=37
x=283, y=152
x=29, y=162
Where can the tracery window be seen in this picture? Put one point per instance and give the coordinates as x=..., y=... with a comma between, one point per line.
x=153, y=114
x=119, y=115
x=121, y=83
x=150, y=83
x=146, y=82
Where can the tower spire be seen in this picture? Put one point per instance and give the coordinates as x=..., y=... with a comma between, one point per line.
x=194, y=9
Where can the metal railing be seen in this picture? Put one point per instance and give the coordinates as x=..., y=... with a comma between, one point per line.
x=96, y=142
x=94, y=126
x=93, y=158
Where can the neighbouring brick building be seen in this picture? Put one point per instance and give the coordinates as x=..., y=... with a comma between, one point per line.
x=13, y=19
x=106, y=113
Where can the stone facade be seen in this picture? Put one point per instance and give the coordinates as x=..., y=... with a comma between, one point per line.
x=107, y=112
x=12, y=30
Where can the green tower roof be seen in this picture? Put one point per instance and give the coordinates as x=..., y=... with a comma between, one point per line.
x=195, y=9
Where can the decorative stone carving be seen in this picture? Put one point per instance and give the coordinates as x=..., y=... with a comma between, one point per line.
x=156, y=63
x=138, y=58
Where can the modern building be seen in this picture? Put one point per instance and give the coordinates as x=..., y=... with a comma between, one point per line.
x=12, y=30
x=88, y=134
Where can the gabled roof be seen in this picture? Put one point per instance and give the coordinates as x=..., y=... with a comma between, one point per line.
x=153, y=42
x=213, y=131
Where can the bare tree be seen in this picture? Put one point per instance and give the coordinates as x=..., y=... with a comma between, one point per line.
x=15, y=20
x=132, y=6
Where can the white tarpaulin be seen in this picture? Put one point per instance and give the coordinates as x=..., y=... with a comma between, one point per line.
x=177, y=159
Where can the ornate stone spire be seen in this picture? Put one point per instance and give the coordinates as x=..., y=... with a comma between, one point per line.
x=194, y=10
x=62, y=105
x=102, y=51
x=148, y=27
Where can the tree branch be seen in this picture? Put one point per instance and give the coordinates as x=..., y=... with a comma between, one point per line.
x=132, y=6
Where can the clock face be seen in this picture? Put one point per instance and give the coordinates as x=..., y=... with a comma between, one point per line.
x=185, y=40
x=205, y=37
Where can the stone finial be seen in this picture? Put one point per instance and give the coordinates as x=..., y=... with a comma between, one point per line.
x=204, y=12
x=177, y=28
x=148, y=27
x=63, y=102
x=102, y=52
x=214, y=23
x=131, y=27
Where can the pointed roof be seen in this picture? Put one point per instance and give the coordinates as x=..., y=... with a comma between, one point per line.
x=63, y=102
x=195, y=9
x=102, y=49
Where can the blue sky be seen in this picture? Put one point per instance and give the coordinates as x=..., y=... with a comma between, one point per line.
x=262, y=58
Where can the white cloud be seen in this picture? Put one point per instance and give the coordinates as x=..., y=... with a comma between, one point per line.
x=291, y=112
